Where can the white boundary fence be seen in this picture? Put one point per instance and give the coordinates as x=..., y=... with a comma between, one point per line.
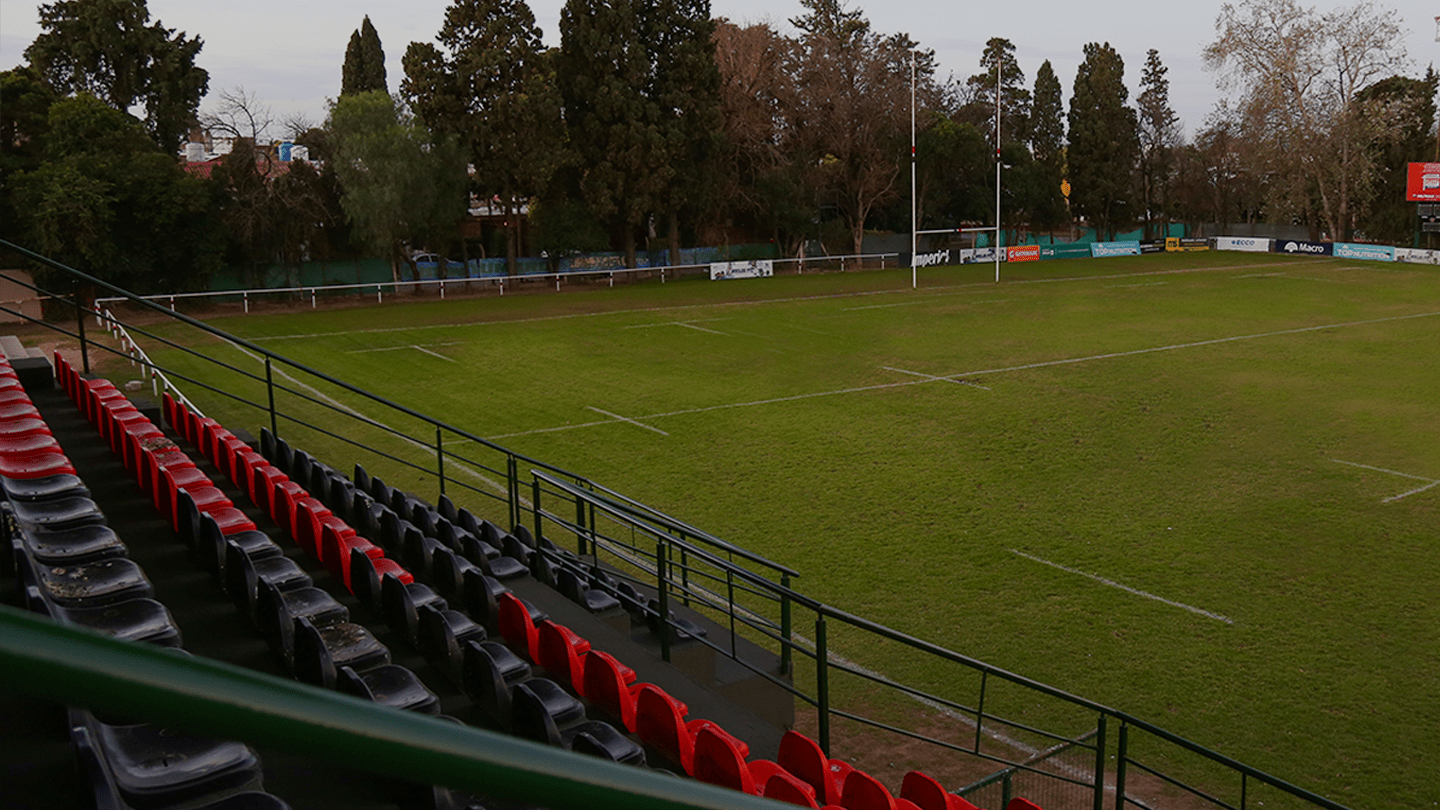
x=415, y=286
x=105, y=319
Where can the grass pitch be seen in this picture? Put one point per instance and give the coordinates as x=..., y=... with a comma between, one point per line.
x=1195, y=487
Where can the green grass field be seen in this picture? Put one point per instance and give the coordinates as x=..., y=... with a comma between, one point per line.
x=1189, y=486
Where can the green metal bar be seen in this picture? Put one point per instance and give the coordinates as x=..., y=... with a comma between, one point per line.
x=535, y=557
x=663, y=595
x=1122, y=757
x=440, y=458
x=80, y=325
x=730, y=600
x=512, y=473
x=822, y=683
x=73, y=666
x=1099, y=801
x=580, y=529
x=787, y=631
x=270, y=392
x=980, y=710
x=1007, y=788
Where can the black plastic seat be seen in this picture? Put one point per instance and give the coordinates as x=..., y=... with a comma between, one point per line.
x=488, y=672
x=400, y=603
x=69, y=546
x=540, y=708
x=243, y=575
x=389, y=685
x=448, y=570
x=156, y=766
x=418, y=550
x=93, y=584
x=138, y=619
x=360, y=478
x=600, y=739
x=276, y=611
x=57, y=514
x=45, y=488
x=578, y=591
x=344, y=644
x=441, y=634
x=480, y=595
x=210, y=541
x=446, y=508
x=678, y=627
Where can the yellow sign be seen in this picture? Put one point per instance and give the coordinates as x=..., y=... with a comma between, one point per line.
x=1065, y=188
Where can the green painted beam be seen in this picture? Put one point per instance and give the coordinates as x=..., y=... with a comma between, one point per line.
x=76, y=667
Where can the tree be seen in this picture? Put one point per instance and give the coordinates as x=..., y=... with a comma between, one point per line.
x=1047, y=144
x=364, y=68
x=493, y=89
x=979, y=104
x=1103, y=141
x=1389, y=218
x=851, y=111
x=604, y=71
x=1298, y=77
x=108, y=201
x=25, y=101
x=402, y=187
x=107, y=48
x=1159, y=135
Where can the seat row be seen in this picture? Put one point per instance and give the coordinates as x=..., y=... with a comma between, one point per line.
x=71, y=566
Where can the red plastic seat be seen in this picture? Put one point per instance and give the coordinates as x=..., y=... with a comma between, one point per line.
x=928, y=794
x=335, y=547
x=35, y=465
x=804, y=758
x=1019, y=803
x=26, y=445
x=307, y=518
x=23, y=426
x=517, y=628
x=11, y=394
x=560, y=650
x=783, y=786
x=660, y=723
x=19, y=410
x=262, y=485
x=864, y=792
x=610, y=686
x=719, y=761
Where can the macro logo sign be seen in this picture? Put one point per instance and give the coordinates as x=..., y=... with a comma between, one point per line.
x=1298, y=248
x=939, y=257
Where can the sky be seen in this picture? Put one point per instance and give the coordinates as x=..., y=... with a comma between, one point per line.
x=289, y=54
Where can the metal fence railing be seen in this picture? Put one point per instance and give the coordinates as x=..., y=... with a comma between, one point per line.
x=835, y=665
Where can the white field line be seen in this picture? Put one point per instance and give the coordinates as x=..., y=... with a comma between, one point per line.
x=1128, y=286
x=1126, y=588
x=434, y=354
x=410, y=346
x=936, y=379
x=1263, y=275
x=884, y=306
x=955, y=377
x=950, y=289
x=617, y=417
x=1429, y=482
x=481, y=477
x=673, y=323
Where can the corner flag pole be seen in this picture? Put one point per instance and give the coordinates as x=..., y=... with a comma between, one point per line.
x=914, y=223
x=997, y=164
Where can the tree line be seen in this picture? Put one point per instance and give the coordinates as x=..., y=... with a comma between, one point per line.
x=655, y=125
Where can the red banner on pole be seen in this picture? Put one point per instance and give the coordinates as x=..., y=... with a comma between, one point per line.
x=1423, y=183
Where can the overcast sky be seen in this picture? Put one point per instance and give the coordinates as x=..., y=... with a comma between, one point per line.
x=289, y=53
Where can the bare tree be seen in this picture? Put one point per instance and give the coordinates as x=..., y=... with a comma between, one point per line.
x=1299, y=76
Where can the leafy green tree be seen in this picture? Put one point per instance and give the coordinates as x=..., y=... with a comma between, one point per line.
x=979, y=105
x=25, y=101
x=107, y=201
x=364, y=68
x=402, y=187
x=1104, y=142
x=107, y=48
x=1389, y=217
x=614, y=122
x=955, y=168
x=494, y=90
x=1159, y=135
x=1047, y=144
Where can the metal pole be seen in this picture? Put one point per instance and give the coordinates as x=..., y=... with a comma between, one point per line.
x=997, y=164
x=1099, y=802
x=822, y=684
x=80, y=320
x=914, y=189
x=786, y=630
x=440, y=458
x=1122, y=753
x=270, y=390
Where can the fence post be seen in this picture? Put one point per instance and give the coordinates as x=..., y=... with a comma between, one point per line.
x=1007, y=790
x=270, y=390
x=440, y=458
x=512, y=474
x=1099, y=803
x=663, y=597
x=980, y=709
x=822, y=684
x=580, y=526
x=787, y=630
x=535, y=561
x=1122, y=752
x=80, y=319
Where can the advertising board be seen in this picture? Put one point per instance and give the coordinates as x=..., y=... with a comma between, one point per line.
x=1066, y=251
x=1369, y=253
x=1422, y=182
x=1023, y=253
x=1297, y=247
x=1103, y=249
x=754, y=268
x=1246, y=243
x=1415, y=256
x=934, y=259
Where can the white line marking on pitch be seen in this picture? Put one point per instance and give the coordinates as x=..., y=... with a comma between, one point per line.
x=1429, y=482
x=934, y=378
x=433, y=354
x=1126, y=588
x=410, y=346
x=620, y=418
x=1127, y=286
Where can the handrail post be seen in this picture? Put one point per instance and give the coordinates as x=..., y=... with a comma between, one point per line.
x=980, y=709
x=1007, y=788
x=270, y=392
x=535, y=561
x=512, y=474
x=822, y=684
x=580, y=526
x=1099, y=802
x=80, y=320
x=440, y=458
x=1122, y=753
x=662, y=597
x=786, y=629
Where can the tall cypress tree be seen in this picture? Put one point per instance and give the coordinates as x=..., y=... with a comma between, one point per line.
x=1047, y=143
x=1103, y=141
x=364, y=68
x=1159, y=134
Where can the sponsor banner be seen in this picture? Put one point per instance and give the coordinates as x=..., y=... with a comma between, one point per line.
x=1194, y=243
x=1246, y=243
x=1152, y=247
x=1422, y=182
x=754, y=268
x=933, y=259
x=1371, y=253
x=1103, y=249
x=1300, y=248
x=1067, y=251
x=1023, y=253
x=1417, y=256
x=979, y=255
